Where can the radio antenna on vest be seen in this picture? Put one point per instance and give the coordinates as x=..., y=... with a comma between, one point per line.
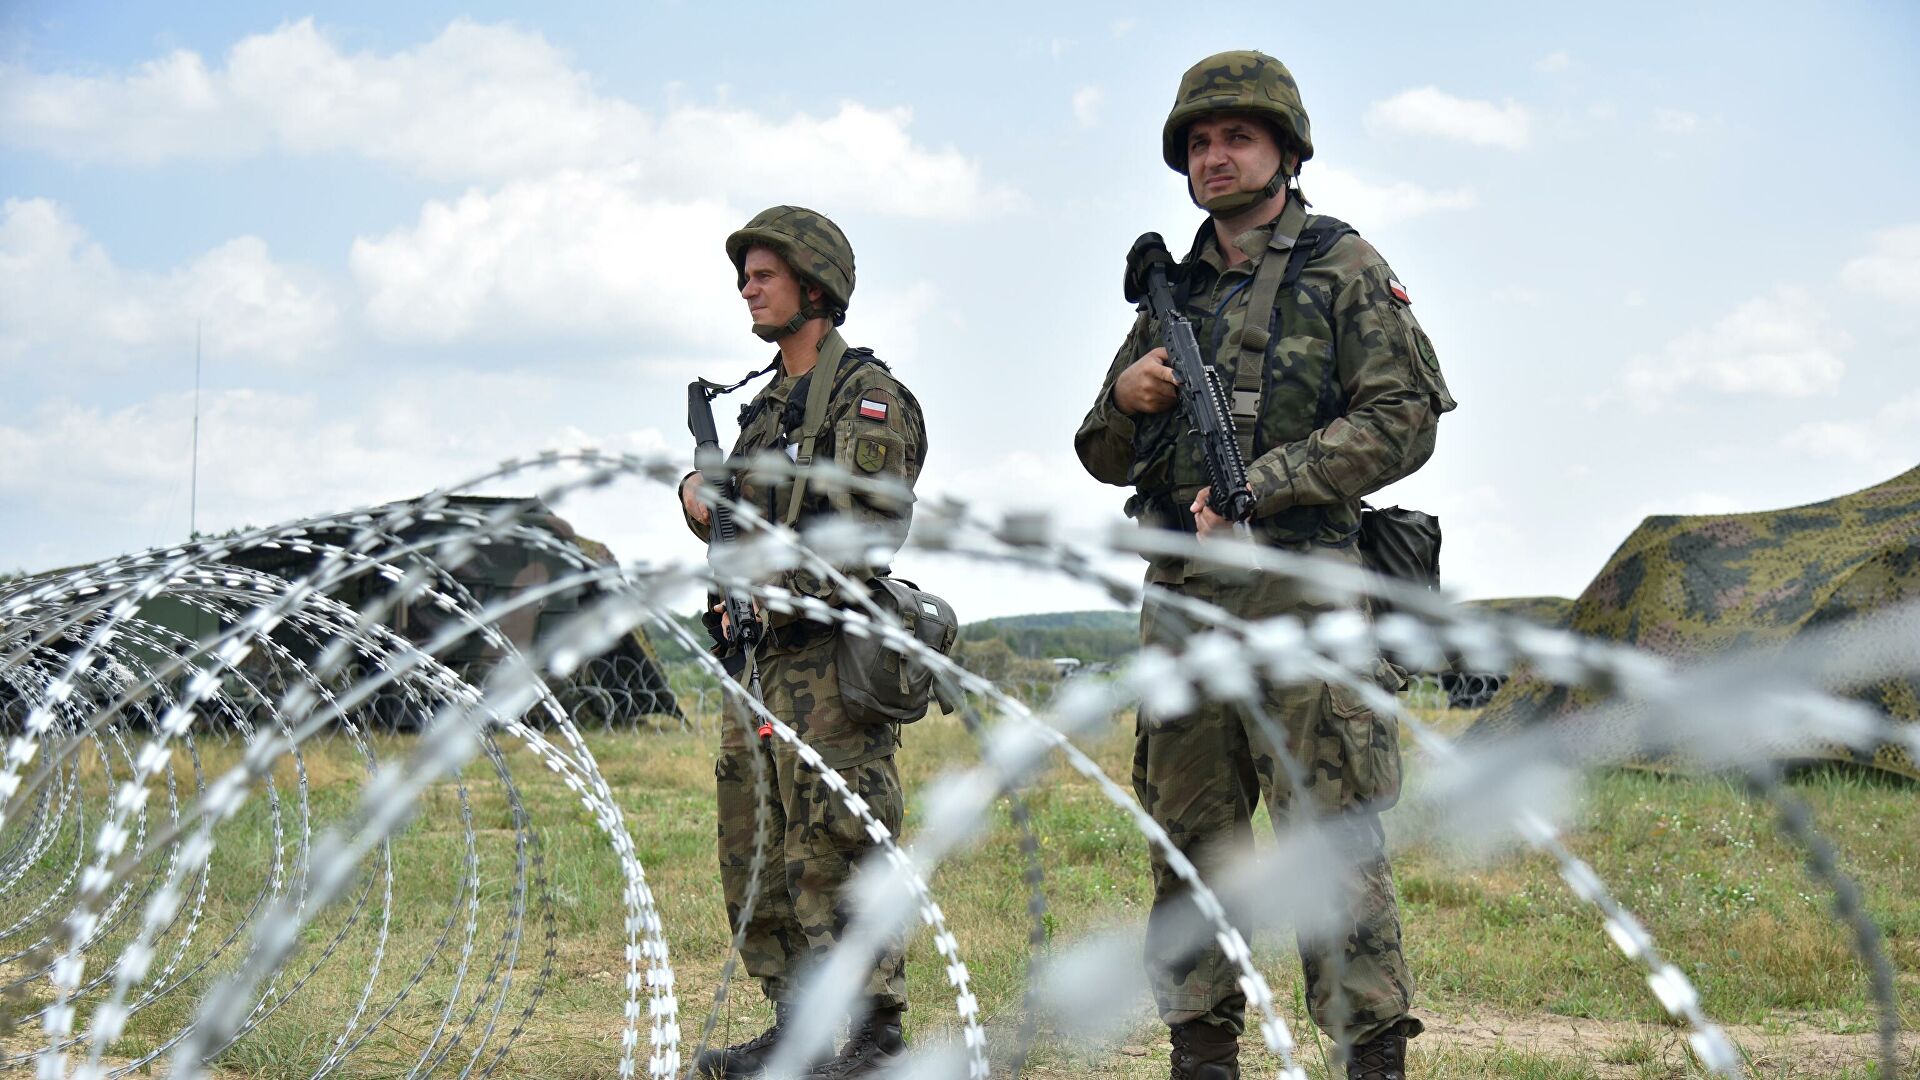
x=193, y=482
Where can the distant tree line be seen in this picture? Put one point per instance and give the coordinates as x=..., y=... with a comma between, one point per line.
x=1014, y=651
x=1092, y=637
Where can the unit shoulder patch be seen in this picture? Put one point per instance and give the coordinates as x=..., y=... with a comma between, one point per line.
x=1425, y=345
x=870, y=455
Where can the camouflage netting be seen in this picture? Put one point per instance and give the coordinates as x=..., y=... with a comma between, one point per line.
x=1551, y=611
x=623, y=687
x=1691, y=587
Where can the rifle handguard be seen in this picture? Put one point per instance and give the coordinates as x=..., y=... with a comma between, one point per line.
x=1202, y=398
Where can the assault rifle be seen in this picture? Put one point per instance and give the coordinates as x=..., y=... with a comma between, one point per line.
x=1202, y=400
x=742, y=622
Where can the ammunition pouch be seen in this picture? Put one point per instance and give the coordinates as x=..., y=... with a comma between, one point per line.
x=879, y=685
x=1402, y=544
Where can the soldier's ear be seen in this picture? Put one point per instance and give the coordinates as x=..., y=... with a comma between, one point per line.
x=814, y=294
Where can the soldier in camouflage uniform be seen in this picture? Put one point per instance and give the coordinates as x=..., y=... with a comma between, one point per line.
x=1336, y=392
x=795, y=270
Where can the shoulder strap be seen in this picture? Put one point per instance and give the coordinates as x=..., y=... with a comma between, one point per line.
x=1314, y=241
x=829, y=374
x=819, y=394
x=1274, y=277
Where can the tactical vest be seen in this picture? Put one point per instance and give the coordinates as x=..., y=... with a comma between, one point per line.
x=1284, y=378
x=777, y=419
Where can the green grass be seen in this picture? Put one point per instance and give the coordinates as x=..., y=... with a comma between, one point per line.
x=1499, y=949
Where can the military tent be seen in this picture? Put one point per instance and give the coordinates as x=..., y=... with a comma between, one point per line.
x=1691, y=587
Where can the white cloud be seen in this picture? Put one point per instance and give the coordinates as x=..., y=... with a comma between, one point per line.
x=1675, y=121
x=1554, y=62
x=1376, y=204
x=1831, y=440
x=578, y=255
x=1087, y=102
x=1776, y=345
x=1123, y=27
x=1892, y=270
x=1428, y=110
x=267, y=457
x=858, y=157
x=60, y=291
x=1884, y=440
x=476, y=102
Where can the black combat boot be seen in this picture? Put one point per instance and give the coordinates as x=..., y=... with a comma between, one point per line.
x=1383, y=1057
x=1204, y=1052
x=748, y=1058
x=871, y=1047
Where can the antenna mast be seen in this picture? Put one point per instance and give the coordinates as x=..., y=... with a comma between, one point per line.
x=193, y=484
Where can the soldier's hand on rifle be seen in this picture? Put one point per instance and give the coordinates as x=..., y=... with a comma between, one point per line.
x=726, y=624
x=1147, y=386
x=690, y=498
x=1204, y=519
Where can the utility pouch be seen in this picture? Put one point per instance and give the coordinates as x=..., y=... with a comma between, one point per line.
x=879, y=685
x=1400, y=543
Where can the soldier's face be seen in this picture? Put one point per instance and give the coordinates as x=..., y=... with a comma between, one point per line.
x=1229, y=153
x=772, y=292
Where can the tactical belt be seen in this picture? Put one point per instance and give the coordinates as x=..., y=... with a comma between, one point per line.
x=1298, y=526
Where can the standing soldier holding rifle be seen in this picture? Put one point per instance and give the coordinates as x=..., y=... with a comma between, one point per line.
x=827, y=402
x=1324, y=390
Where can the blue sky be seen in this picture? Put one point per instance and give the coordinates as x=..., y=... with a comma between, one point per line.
x=1666, y=252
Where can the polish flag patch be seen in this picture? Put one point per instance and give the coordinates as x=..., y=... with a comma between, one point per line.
x=1398, y=290
x=872, y=410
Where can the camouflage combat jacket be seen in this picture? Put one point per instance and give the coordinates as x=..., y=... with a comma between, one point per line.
x=1350, y=391
x=873, y=429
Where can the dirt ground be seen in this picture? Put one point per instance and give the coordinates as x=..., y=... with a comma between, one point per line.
x=1622, y=1049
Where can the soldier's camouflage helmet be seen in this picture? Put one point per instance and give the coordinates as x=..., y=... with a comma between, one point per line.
x=1241, y=81
x=813, y=247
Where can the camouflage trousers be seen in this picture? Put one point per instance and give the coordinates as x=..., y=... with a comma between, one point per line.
x=814, y=844
x=1199, y=775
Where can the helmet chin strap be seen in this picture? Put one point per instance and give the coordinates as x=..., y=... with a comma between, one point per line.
x=776, y=331
x=1233, y=202
x=809, y=310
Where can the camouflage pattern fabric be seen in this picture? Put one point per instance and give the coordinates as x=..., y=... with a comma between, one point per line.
x=873, y=428
x=1239, y=81
x=812, y=245
x=815, y=845
x=1691, y=587
x=1351, y=394
x=1200, y=776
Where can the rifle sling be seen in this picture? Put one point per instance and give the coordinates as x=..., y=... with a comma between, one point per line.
x=1250, y=345
x=819, y=396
